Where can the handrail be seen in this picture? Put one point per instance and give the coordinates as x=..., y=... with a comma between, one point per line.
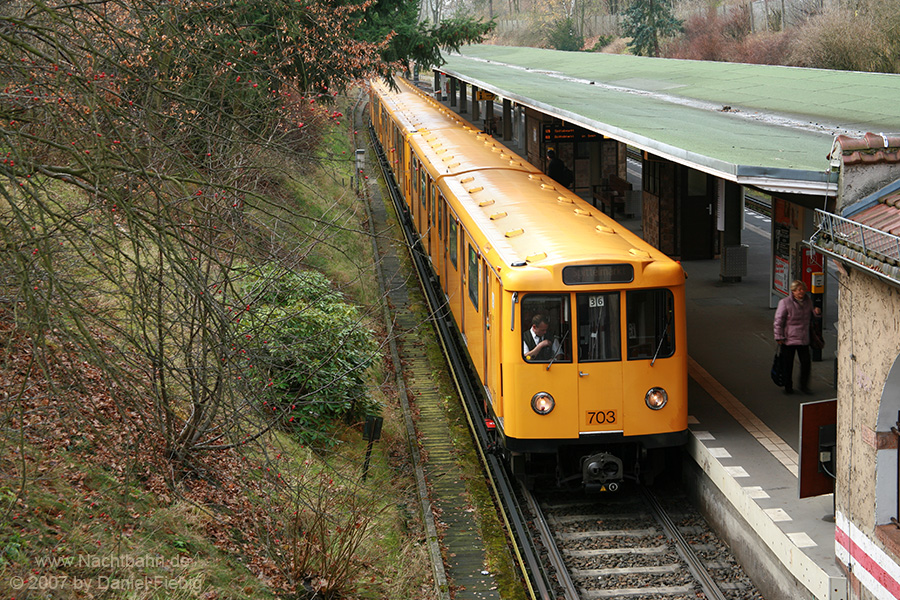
x=850, y=233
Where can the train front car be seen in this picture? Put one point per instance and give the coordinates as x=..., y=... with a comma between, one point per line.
x=582, y=338
x=594, y=370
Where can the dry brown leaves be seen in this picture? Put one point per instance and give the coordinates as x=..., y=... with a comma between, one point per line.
x=68, y=413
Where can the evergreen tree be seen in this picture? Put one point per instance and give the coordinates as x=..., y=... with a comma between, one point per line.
x=646, y=21
x=563, y=36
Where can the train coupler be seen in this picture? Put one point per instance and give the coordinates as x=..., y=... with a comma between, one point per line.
x=601, y=472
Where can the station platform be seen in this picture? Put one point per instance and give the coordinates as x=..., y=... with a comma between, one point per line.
x=745, y=432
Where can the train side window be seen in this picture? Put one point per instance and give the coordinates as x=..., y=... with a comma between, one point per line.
x=451, y=240
x=432, y=207
x=549, y=316
x=442, y=211
x=650, y=327
x=599, y=335
x=473, y=276
x=423, y=185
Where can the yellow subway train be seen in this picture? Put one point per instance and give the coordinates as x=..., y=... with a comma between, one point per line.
x=575, y=326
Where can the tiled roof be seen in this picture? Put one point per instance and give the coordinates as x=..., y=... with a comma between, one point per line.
x=870, y=149
x=867, y=237
x=884, y=215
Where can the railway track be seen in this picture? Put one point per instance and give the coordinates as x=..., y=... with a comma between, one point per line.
x=633, y=545
x=580, y=547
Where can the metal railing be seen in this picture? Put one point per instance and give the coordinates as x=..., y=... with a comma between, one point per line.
x=868, y=240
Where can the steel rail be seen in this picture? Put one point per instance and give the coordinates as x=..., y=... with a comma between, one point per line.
x=553, y=554
x=707, y=584
x=534, y=574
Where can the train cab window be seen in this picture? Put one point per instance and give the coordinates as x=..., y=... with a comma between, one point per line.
x=473, y=276
x=451, y=240
x=650, y=327
x=599, y=330
x=546, y=318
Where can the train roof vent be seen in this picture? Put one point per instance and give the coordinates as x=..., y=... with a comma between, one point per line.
x=453, y=165
x=564, y=200
x=536, y=257
x=639, y=253
x=487, y=202
x=475, y=190
x=447, y=158
x=440, y=150
x=582, y=212
x=467, y=180
x=515, y=163
x=605, y=229
x=515, y=232
x=496, y=149
x=548, y=187
x=498, y=215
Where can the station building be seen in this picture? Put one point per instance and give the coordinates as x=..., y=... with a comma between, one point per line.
x=710, y=138
x=862, y=236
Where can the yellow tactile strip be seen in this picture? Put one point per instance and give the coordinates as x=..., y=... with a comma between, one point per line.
x=754, y=426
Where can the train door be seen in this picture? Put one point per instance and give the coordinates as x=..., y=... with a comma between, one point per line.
x=600, y=368
x=491, y=300
x=698, y=216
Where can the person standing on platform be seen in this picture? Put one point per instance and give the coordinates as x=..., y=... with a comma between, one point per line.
x=793, y=318
x=557, y=169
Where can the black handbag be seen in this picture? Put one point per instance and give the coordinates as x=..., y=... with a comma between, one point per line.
x=815, y=338
x=778, y=369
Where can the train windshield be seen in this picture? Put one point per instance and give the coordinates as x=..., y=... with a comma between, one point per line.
x=546, y=328
x=651, y=330
x=599, y=335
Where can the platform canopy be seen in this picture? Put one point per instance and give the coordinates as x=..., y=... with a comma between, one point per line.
x=767, y=126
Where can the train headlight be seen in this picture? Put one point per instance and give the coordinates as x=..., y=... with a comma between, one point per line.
x=656, y=398
x=542, y=403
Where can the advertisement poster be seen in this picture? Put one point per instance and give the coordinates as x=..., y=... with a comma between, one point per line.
x=782, y=270
x=784, y=219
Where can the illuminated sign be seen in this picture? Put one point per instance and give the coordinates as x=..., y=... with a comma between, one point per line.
x=567, y=133
x=585, y=274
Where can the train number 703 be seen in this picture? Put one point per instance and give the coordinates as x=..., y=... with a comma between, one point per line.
x=601, y=417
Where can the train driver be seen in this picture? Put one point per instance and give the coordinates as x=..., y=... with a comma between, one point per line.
x=535, y=343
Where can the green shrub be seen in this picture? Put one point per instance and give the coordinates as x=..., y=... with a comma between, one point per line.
x=602, y=42
x=563, y=35
x=310, y=351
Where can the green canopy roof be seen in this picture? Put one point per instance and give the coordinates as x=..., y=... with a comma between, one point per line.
x=763, y=125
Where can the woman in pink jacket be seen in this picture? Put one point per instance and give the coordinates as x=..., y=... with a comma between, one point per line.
x=792, y=320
